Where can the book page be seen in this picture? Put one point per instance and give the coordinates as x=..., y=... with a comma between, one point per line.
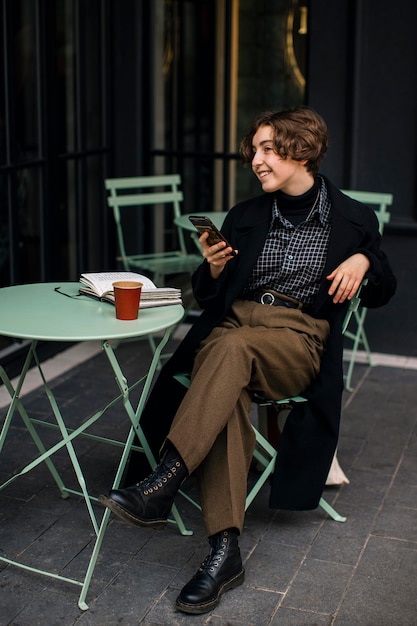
x=101, y=282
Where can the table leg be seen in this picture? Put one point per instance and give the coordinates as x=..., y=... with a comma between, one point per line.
x=135, y=416
x=17, y=404
x=67, y=435
x=135, y=429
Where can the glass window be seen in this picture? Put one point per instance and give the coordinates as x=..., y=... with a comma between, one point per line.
x=64, y=96
x=27, y=236
x=53, y=125
x=24, y=82
x=215, y=66
x=91, y=76
x=183, y=96
x=2, y=118
x=271, y=68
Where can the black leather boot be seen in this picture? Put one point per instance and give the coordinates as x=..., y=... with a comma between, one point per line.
x=221, y=570
x=149, y=502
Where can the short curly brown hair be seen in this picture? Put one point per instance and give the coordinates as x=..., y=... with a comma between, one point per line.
x=299, y=133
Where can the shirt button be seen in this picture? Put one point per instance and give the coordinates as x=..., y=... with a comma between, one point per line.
x=290, y=257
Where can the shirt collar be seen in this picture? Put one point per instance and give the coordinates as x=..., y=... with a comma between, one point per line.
x=322, y=209
x=323, y=205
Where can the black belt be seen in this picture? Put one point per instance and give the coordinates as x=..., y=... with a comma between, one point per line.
x=271, y=297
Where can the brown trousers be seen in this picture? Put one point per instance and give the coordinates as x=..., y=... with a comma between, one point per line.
x=273, y=350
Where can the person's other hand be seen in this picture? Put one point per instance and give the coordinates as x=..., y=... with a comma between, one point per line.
x=347, y=277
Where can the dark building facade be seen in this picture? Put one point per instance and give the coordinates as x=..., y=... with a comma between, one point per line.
x=102, y=88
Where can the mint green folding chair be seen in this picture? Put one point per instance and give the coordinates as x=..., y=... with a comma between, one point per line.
x=265, y=453
x=356, y=333
x=155, y=194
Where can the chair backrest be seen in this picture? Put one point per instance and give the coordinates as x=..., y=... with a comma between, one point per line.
x=141, y=191
x=378, y=201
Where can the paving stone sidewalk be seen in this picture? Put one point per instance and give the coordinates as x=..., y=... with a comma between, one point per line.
x=302, y=568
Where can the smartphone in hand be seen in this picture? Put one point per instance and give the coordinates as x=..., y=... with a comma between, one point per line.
x=205, y=225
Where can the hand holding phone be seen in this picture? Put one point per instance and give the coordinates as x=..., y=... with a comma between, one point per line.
x=205, y=225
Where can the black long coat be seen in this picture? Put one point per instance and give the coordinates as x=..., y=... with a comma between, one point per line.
x=311, y=431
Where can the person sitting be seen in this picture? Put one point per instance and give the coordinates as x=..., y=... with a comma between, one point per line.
x=271, y=323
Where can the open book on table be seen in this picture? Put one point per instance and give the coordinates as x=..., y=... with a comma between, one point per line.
x=100, y=285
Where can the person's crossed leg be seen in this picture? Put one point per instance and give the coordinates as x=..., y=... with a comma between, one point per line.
x=212, y=435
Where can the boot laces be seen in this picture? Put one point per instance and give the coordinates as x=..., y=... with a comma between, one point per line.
x=159, y=478
x=214, y=559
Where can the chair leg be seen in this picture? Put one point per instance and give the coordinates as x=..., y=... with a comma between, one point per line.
x=331, y=511
x=265, y=455
x=359, y=338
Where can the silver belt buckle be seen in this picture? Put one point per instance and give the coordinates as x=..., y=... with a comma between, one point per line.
x=269, y=295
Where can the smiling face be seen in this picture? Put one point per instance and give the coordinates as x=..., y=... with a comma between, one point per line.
x=274, y=172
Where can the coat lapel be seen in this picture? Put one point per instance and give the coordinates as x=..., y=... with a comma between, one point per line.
x=251, y=231
x=346, y=228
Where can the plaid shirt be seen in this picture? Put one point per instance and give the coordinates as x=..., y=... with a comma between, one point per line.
x=293, y=257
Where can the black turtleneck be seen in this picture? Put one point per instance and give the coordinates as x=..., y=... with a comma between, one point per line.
x=296, y=208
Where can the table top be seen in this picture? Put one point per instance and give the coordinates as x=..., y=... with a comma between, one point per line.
x=38, y=311
x=217, y=217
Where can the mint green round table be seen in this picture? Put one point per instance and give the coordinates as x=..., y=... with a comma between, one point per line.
x=56, y=312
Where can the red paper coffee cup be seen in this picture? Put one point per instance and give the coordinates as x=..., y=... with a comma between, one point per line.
x=127, y=298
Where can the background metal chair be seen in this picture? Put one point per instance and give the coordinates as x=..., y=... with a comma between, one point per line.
x=356, y=332
x=152, y=192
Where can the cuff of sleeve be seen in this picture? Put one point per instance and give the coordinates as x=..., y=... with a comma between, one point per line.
x=374, y=273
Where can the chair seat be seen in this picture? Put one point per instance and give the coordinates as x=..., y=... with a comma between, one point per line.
x=263, y=401
x=175, y=263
